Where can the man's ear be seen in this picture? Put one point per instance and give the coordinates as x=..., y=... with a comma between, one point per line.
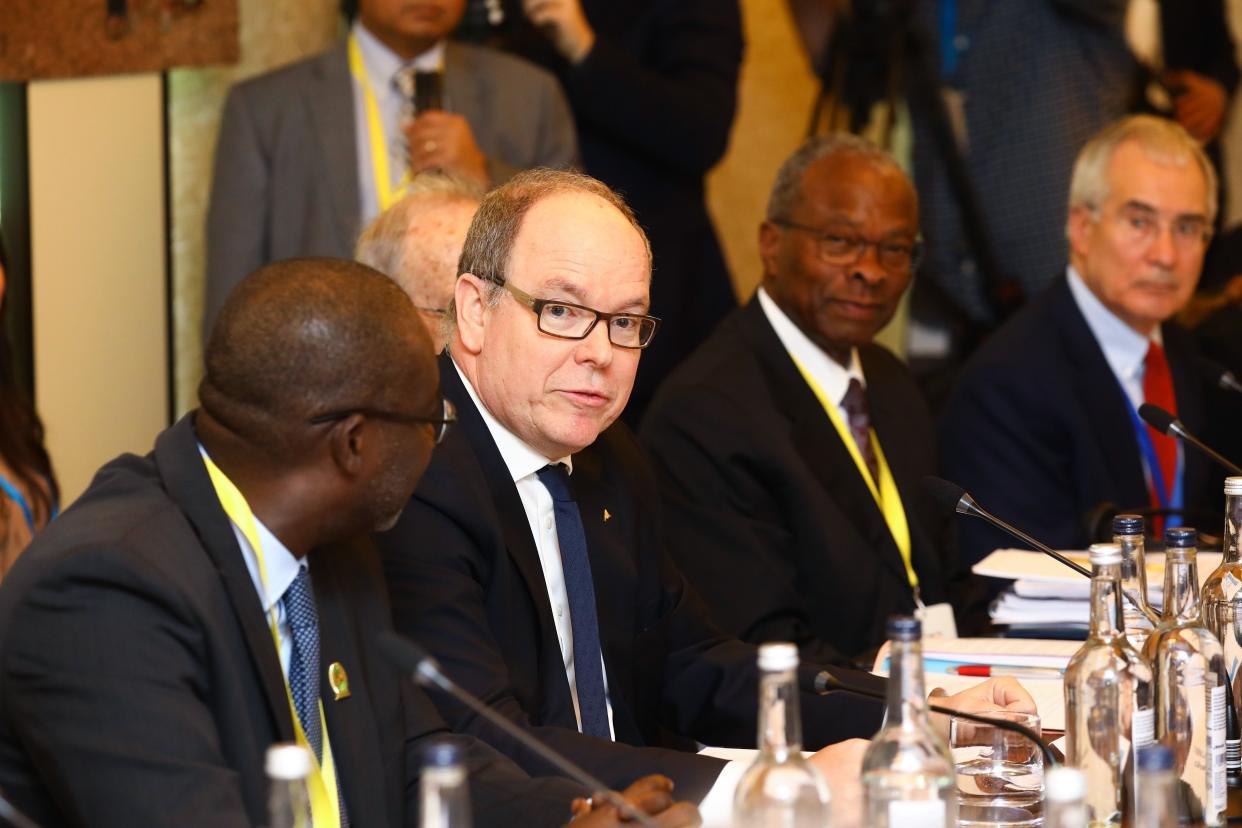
x=348, y=444
x=770, y=237
x=470, y=299
x=1079, y=227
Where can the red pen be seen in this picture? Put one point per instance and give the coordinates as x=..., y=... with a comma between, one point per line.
x=987, y=671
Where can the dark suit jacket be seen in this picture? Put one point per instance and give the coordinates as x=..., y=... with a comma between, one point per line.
x=1038, y=430
x=286, y=170
x=654, y=102
x=466, y=581
x=766, y=512
x=139, y=684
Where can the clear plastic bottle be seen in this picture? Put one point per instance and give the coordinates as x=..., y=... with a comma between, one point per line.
x=781, y=788
x=1157, y=789
x=1139, y=619
x=288, y=803
x=443, y=798
x=908, y=777
x=1190, y=688
x=1222, y=612
x=1109, y=697
x=1064, y=789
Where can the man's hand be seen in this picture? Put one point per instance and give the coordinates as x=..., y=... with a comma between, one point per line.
x=1199, y=103
x=653, y=795
x=1003, y=693
x=841, y=767
x=563, y=22
x=443, y=141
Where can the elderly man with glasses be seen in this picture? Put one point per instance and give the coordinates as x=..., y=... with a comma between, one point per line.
x=791, y=446
x=1043, y=425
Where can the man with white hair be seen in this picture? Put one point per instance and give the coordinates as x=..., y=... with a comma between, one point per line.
x=1043, y=426
x=417, y=241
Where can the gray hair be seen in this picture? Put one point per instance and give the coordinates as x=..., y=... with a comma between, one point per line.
x=787, y=189
x=381, y=244
x=1160, y=139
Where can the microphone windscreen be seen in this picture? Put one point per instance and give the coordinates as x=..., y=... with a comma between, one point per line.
x=402, y=653
x=1156, y=417
x=945, y=493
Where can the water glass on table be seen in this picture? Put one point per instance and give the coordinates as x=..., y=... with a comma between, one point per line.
x=1000, y=774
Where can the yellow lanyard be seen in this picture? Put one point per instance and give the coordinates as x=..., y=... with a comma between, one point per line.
x=886, y=495
x=325, y=807
x=385, y=193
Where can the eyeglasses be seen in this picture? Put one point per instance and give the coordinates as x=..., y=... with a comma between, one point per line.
x=1140, y=225
x=569, y=321
x=847, y=248
x=448, y=416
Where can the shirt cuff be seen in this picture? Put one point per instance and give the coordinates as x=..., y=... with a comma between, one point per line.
x=717, y=807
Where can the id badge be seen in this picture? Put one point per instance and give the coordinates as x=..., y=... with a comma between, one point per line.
x=937, y=620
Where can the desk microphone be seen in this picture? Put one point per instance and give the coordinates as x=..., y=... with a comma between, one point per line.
x=410, y=658
x=1166, y=423
x=1219, y=375
x=952, y=497
x=824, y=682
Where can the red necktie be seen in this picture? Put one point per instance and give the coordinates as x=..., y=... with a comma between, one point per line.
x=1158, y=390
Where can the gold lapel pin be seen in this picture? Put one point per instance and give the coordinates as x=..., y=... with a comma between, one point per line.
x=338, y=681
x=607, y=516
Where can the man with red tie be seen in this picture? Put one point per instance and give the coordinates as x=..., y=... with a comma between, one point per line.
x=1043, y=426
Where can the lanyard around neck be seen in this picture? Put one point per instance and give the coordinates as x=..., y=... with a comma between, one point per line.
x=385, y=193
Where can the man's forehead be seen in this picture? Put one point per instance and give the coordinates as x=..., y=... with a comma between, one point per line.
x=1165, y=184
x=841, y=186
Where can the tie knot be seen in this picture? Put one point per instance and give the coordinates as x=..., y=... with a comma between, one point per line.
x=1155, y=353
x=299, y=601
x=404, y=80
x=855, y=400
x=555, y=479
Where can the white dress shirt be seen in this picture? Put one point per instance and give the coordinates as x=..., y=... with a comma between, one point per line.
x=1125, y=349
x=381, y=65
x=831, y=376
x=523, y=463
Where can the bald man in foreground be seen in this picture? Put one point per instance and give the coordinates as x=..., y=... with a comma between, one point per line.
x=219, y=594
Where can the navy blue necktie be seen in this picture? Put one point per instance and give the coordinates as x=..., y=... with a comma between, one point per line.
x=588, y=666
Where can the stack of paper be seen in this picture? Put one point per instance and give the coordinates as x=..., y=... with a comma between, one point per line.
x=1046, y=593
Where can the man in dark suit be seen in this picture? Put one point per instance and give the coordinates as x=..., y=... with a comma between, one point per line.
x=309, y=153
x=1042, y=427
x=791, y=446
x=175, y=621
x=530, y=560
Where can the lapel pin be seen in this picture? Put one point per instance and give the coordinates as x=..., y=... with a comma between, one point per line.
x=607, y=516
x=338, y=681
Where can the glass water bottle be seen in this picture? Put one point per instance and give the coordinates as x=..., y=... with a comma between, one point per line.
x=1139, y=619
x=288, y=803
x=1222, y=613
x=443, y=796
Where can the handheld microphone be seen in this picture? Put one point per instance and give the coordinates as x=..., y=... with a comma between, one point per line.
x=1166, y=423
x=823, y=682
x=1219, y=375
x=951, y=496
x=410, y=658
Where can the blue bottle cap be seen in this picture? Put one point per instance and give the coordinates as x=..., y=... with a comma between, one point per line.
x=443, y=754
x=1128, y=525
x=904, y=628
x=1152, y=758
x=1180, y=537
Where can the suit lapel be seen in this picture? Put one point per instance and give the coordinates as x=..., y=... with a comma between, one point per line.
x=1188, y=390
x=331, y=103
x=186, y=480
x=351, y=723
x=465, y=93
x=813, y=433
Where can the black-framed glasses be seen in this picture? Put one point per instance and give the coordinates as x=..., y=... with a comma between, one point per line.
x=448, y=416
x=841, y=248
x=569, y=321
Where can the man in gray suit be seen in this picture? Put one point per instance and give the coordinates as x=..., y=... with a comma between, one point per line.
x=309, y=153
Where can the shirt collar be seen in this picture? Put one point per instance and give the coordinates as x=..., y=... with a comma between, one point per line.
x=521, y=459
x=1125, y=349
x=382, y=63
x=832, y=377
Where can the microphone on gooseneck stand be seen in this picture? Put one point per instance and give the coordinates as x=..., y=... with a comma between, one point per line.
x=410, y=658
x=1219, y=375
x=9, y=815
x=824, y=682
x=952, y=497
x=1166, y=423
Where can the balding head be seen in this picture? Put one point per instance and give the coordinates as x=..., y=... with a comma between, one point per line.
x=303, y=337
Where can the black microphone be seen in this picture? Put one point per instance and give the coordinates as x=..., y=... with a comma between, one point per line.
x=409, y=657
x=1219, y=375
x=952, y=497
x=824, y=682
x=1166, y=423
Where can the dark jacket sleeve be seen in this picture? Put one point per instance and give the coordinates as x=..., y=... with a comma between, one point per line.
x=685, y=81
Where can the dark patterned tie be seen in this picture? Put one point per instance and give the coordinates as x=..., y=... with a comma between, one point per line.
x=855, y=404
x=588, y=667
